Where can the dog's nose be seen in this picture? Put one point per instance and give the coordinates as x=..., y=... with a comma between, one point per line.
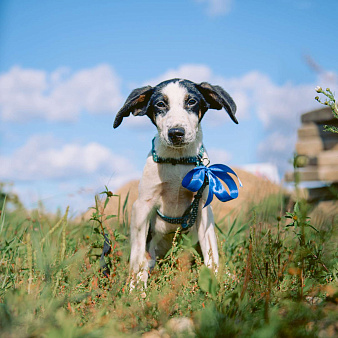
x=176, y=135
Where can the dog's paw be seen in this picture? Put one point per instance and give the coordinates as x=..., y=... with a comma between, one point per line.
x=139, y=280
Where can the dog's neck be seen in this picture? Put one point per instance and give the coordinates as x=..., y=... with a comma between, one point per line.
x=163, y=150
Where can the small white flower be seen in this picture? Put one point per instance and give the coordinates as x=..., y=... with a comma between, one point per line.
x=318, y=89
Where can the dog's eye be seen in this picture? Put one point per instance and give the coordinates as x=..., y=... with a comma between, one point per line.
x=192, y=102
x=160, y=104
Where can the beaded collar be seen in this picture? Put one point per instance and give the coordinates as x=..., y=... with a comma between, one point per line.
x=197, y=160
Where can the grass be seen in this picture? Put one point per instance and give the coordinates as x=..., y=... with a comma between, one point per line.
x=277, y=277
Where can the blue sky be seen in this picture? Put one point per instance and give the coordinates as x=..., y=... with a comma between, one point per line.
x=67, y=66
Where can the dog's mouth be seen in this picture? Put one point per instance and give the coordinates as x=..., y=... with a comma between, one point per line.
x=177, y=143
x=176, y=137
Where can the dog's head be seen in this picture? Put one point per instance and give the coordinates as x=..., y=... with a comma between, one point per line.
x=176, y=108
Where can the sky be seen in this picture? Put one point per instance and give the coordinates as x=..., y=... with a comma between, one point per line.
x=66, y=67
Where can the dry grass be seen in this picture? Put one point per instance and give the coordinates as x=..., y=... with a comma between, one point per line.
x=255, y=189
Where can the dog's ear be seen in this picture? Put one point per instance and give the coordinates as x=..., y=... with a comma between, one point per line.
x=136, y=103
x=218, y=98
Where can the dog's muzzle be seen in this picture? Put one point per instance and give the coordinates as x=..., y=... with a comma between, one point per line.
x=176, y=136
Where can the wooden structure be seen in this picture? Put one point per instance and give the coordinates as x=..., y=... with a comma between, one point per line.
x=320, y=150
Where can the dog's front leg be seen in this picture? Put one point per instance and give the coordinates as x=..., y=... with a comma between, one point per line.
x=139, y=227
x=207, y=238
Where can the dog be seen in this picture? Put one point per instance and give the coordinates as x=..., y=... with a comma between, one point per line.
x=176, y=107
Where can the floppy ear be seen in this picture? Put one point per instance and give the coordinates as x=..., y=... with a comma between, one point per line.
x=218, y=98
x=136, y=103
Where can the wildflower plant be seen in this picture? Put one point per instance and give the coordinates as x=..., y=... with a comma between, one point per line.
x=330, y=102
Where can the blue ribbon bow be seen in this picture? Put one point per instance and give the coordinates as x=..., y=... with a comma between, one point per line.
x=194, y=179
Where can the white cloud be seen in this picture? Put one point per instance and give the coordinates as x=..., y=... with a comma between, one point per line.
x=217, y=7
x=264, y=170
x=218, y=155
x=278, y=103
x=280, y=108
x=44, y=169
x=42, y=157
x=58, y=96
x=278, y=147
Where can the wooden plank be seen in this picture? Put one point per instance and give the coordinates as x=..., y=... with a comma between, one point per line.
x=311, y=173
x=323, y=115
x=311, y=147
x=329, y=174
x=312, y=130
x=328, y=158
x=308, y=130
x=304, y=176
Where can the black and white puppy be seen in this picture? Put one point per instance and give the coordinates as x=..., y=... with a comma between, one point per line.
x=176, y=107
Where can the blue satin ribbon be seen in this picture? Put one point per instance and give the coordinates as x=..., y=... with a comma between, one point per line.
x=194, y=179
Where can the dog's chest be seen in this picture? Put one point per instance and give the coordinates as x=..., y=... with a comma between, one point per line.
x=171, y=188
x=162, y=184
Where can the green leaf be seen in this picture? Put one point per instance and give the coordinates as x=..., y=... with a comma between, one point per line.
x=232, y=226
x=192, y=250
x=119, y=236
x=125, y=202
x=296, y=207
x=311, y=226
x=2, y=217
x=168, y=252
x=207, y=281
x=110, y=216
x=106, y=202
x=219, y=229
x=241, y=229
